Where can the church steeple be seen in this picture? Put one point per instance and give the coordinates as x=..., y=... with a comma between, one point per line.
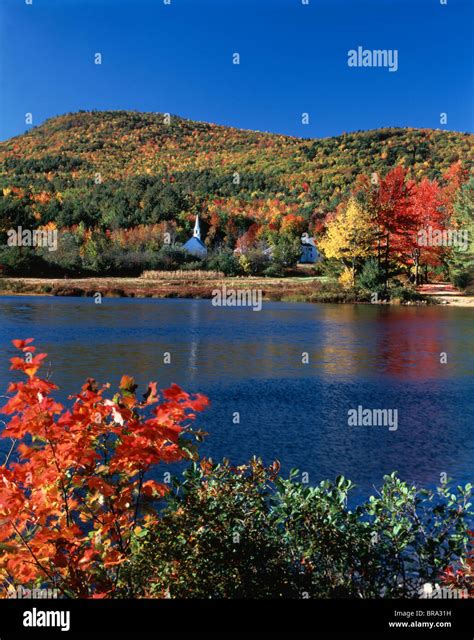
x=195, y=246
x=197, y=229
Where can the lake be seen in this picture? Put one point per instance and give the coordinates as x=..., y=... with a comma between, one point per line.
x=252, y=363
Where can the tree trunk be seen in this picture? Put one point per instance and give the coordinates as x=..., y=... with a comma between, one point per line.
x=387, y=253
x=417, y=265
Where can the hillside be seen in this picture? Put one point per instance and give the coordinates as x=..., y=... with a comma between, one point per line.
x=117, y=183
x=71, y=153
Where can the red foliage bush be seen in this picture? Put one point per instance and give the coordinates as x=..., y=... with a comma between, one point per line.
x=78, y=494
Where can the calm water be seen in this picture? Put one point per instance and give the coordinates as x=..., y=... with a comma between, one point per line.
x=251, y=362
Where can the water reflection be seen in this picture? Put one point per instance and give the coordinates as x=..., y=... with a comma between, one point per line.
x=341, y=340
x=251, y=362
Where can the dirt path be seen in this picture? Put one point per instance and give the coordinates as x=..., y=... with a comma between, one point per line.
x=446, y=293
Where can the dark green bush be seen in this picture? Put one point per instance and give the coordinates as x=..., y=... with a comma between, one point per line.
x=21, y=261
x=224, y=261
x=246, y=533
x=255, y=261
x=404, y=294
x=371, y=278
x=463, y=279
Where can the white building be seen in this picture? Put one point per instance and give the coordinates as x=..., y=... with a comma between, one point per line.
x=195, y=246
x=309, y=253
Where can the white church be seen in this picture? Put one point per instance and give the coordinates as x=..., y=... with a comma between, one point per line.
x=195, y=246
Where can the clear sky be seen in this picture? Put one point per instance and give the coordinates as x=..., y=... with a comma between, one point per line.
x=177, y=58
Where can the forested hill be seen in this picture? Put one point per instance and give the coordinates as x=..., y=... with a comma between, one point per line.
x=121, y=169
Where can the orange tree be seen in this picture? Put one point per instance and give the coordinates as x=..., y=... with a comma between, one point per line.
x=78, y=494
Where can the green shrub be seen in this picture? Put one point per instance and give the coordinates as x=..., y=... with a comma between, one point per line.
x=462, y=279
x=21, y=261
x=404, y=294
x=371, y=278
x=67, y=257
x=275, y=270
x=254, y=262
x=246, y=533
x=171, y=257
x=286, y=251
x=331, y=268
x=333, y=292
x=224, y=261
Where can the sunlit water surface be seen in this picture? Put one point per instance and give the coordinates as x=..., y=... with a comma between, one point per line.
x=252, y=363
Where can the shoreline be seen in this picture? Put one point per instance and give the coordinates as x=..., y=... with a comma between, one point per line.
x=290, y=289
x=129, y=287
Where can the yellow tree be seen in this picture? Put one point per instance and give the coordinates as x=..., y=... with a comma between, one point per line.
x=349, y=237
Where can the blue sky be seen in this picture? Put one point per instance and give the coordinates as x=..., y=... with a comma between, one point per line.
x=177, y=58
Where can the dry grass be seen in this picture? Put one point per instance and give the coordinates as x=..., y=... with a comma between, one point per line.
x=182, y=275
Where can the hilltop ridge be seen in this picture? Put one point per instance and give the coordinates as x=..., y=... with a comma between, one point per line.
x=120, y=169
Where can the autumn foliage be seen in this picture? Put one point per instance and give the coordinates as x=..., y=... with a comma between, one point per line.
x=461, y=575
x=249, y=188
x=383, y=220
x=79, y=491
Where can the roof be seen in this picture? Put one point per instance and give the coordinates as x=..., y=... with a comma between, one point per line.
x=195, y=245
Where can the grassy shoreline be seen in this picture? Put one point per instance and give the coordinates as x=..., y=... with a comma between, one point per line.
x=120, y=287
x=299, y=289
x=289, y=289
